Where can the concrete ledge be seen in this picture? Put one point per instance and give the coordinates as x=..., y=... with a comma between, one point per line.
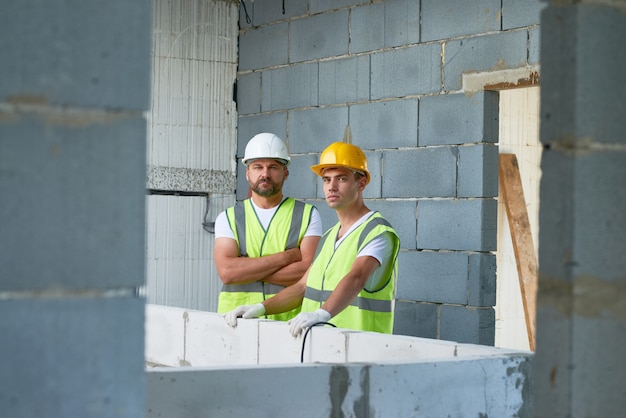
x=255, y=370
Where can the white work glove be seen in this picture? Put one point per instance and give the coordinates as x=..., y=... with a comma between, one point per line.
x=306, y=319
x=244, y=311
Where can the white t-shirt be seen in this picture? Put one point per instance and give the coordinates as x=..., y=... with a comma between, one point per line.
x=222, y=229
x=379, y=248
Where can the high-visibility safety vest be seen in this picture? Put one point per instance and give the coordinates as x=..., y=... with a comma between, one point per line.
x=372, y=309
x=285, y=231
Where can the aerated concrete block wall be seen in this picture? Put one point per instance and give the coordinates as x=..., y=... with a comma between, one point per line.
x=581, y=315
x=74, y=83
x=393, y=71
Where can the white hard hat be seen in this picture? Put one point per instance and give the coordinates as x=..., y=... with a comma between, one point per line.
x=266, y=145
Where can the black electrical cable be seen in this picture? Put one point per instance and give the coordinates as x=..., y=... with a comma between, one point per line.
x=248, y=20
x=307, y=333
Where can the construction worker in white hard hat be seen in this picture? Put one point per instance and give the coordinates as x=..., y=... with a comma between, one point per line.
x=266, y=242
x=352, y=279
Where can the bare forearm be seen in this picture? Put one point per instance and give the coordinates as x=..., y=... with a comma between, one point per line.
x=342, y=296
x=350, y=285
x=238, y=270
x=291, y=273
x=288, y=275
x=287, y=299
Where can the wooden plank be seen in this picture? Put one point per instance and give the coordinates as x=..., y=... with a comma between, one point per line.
x=519, y=225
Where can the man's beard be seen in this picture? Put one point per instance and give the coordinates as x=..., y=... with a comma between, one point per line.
x=275, y=189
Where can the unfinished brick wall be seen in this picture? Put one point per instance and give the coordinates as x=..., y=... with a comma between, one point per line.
x=393, y=71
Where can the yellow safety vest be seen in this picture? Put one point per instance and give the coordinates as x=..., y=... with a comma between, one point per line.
x=285, y=230
x=372, y=309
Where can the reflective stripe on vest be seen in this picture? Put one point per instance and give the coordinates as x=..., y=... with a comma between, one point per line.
x=370, y=310
x=266, y=288
x=374, y=305
x=285, y=231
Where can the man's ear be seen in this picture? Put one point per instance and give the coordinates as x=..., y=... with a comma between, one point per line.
x=362, y=183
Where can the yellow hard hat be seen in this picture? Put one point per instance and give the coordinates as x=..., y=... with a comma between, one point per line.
x=341, y=154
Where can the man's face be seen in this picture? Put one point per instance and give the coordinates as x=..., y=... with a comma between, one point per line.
x=341, y=187
x=266, y=176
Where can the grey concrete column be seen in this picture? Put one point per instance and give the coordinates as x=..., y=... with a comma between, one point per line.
x=74, y=83
x=581, y=323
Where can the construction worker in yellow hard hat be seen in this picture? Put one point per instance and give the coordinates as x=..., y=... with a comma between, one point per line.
x=351, y=281
x=268, y=241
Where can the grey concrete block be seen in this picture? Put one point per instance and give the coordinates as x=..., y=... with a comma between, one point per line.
x=478, y=171
x=264, y=47
x=416, y=319
x=328, y=215
x=402, y=216
x=81, y=357
x=374, y=166
x=483, y=53
x=243, y=188
x=367, y=25
x=319, y=36
x=390, y=124
x=384, y=25
x=452, y=18
x=432, y=172
x=556, y=224
x=73, y=200
x=599, y=222
x=246, y=14
x=317, y=6
x=573, y=225
x=312, y=130
x=599, y=100
x=534, y=41
x=517, y=14
x=249, y=93
x=407, y=71
x=72, y=56
x=270, y=11
x=553, y=353
x=559, y=82
x=482, y=280
x=458, y=119
x=464, y=225
x=402, y=22
x=598, y=339
x=290, y=87
x=427, y=276
x=467, y=324
x=248, y=126
x=344, y=80
x=302, y=181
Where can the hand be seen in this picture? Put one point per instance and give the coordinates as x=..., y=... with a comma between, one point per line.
x=243, y=311
x=307, y=319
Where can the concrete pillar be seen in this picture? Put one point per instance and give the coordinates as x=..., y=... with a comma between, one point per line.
x=581, y=323
x=74, y=83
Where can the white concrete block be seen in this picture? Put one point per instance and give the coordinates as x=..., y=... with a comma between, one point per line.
x=165, y=335
x=325, y=345
x=275, y=343
x=354, y=373
x=210, y=341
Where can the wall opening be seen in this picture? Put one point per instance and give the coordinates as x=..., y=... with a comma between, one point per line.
x=519, y=135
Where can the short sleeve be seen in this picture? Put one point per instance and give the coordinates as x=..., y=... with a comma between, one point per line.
x=222, y=228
